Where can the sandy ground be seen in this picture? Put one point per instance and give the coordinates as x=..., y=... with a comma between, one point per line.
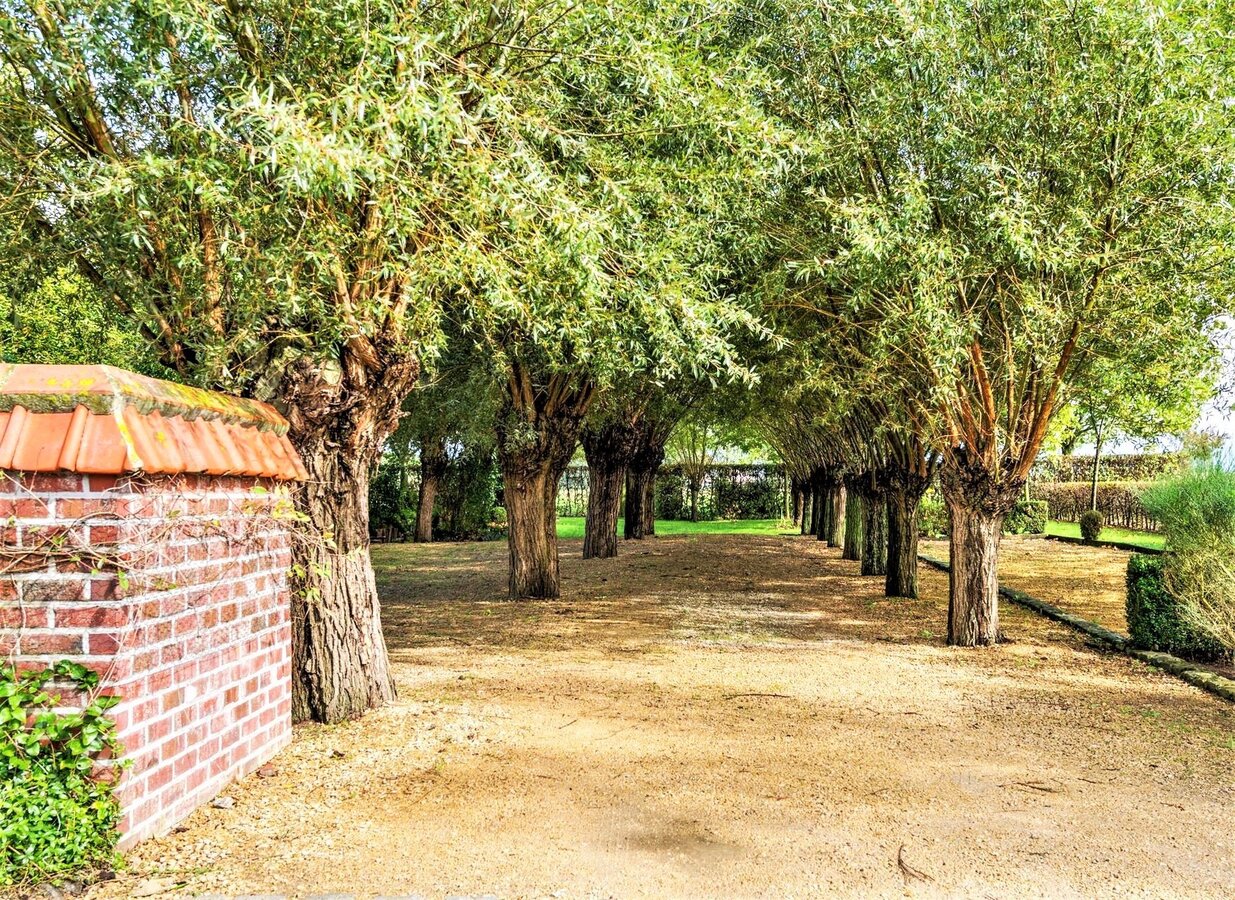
x=725, y=716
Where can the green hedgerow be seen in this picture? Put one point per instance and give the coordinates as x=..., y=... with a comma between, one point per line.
x=58, y=814
x=1156, y=619
x=1197, y=512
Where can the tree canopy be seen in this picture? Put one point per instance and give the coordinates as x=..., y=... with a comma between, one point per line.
x=894, y=238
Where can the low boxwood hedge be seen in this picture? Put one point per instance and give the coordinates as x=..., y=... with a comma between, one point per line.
x=1155, y=618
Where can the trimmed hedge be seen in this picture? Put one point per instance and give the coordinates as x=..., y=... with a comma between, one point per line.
x=729, y=491
x=1027, y=517
x=1118, y=501
x=1155, y=618
x=1116, y=467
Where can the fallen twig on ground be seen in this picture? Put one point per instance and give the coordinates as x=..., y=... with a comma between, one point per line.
x=907, y=870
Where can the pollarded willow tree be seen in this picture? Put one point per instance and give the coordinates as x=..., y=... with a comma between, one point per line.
x=663, y=206
x=1001, y=188
x=284, y=197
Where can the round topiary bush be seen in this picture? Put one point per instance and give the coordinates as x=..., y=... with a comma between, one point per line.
x=1091, y=525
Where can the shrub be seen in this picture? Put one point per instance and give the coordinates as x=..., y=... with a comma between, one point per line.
x=392, y=503
x=728, y=491
x=1027, y=517
x=57, y=814
x=467, y=496
x=1156, y=620
x=1197, y=511
x=1091, y=525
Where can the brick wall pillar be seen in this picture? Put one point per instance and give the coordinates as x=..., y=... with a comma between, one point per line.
x=163, y=567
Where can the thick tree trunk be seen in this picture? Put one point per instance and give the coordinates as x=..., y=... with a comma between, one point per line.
x=874, y=533
x=827, y=509
x=608, y=450
x=640, y=511
x=649, y=502
x=796, y=490
x=339, y=424
x=852, y=548
x=424, y=507
x=808, y=508
x=836, y=529
x=531, y=510
x=632, y=515
x=902, y=574
x=978, y=506
x=973, y=603
x=604, y=505
x=819, y=504
x=537, y=432
x=432, y=468
x=694, y=501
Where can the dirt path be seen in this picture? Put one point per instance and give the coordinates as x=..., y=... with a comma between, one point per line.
x=727, y=716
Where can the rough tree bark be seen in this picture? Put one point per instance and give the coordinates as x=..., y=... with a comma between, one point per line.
x=649, y=498
x=640, y=510
x=874, y=526
x=836, y=531
x=632, y=511
x=432, y=467
x=608, y=450
x=537, y=431
x=852, y=548
x=796, y=493
x=904, y=494
x=808, y=508
x=339, y=420
x=978, y=506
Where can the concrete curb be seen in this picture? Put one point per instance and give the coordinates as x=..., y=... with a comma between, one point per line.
x=1193, y=673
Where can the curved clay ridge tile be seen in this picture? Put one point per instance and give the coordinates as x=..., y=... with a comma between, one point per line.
x=99, y=388
x=103, y=420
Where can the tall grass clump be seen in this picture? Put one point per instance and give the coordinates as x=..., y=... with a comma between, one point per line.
x=1197, y=512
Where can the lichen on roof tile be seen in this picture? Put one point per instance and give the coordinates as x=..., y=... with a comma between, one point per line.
x=101, y=419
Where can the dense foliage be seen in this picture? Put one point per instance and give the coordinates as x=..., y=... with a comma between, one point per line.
x=1157, y=619
x=1027, y=517
x=1113, y=467
x=57, y=812
x=1091, y=525
x=1197, y=512
x=723, y=492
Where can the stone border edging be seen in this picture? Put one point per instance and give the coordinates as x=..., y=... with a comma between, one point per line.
x=1114, y=545
x=1193, y=673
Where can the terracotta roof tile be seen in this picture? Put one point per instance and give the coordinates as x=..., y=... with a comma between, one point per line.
x=103, y=420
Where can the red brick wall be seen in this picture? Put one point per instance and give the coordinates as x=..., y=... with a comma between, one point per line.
x=174, y=589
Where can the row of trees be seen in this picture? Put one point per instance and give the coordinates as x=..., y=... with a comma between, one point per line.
x=897, y=236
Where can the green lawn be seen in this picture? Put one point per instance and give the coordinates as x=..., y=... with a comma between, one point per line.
x=572, y=527
x=1140, y=538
